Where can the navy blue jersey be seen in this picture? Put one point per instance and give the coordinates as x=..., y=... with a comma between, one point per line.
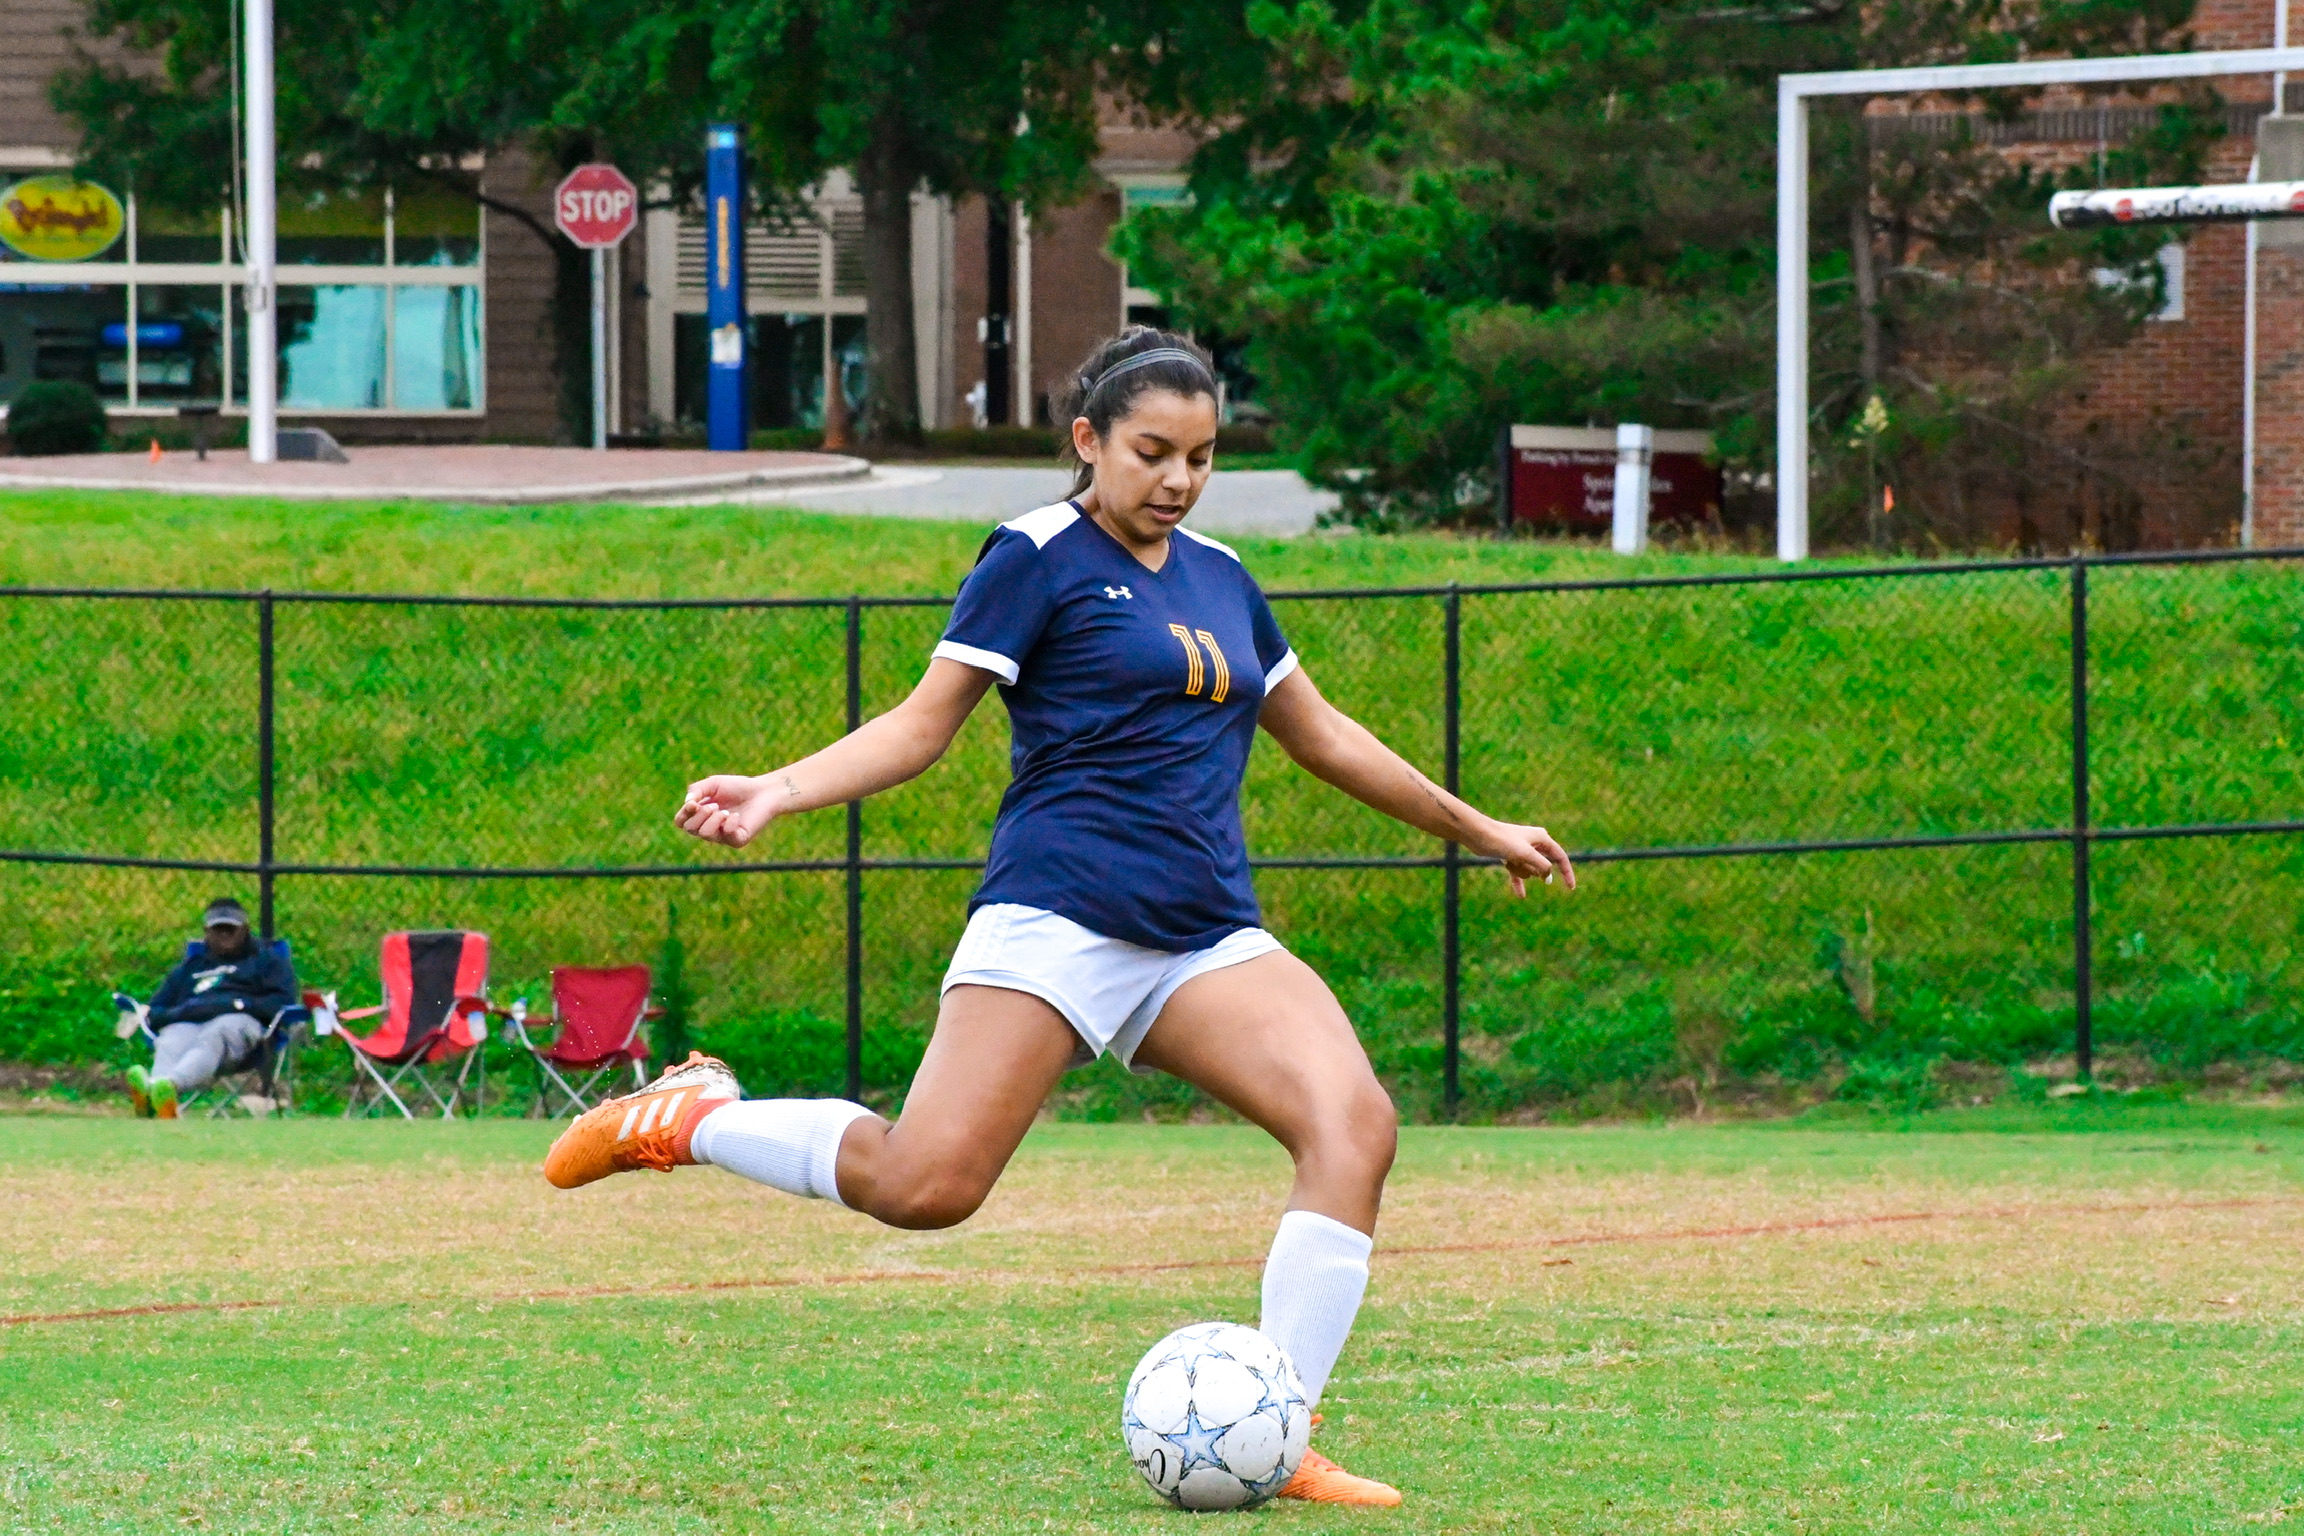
x=1132, y=698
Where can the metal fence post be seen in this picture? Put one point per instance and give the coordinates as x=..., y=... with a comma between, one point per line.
x=1452, y=857
x=855, y=862
x=2083, y=950
x=264, y=761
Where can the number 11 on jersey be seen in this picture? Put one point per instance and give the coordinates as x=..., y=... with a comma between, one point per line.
x=1196, y=678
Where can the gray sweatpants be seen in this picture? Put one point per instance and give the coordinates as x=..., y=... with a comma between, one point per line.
x=189, y=1055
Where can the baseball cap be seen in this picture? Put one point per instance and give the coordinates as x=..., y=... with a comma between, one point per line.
x=224, y=911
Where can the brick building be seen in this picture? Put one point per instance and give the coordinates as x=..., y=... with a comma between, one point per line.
x=408, y=314
x=2182, y=383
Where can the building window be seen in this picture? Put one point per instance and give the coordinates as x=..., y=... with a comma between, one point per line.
x=434, y=228
x=331, y=343
x=1167, y=189
x=180, y=239
x=73, y=331
x=179, y=346
x=804, y=286
x=787, y=367
x=435, y=348
x=344, y=229
x=380, y=308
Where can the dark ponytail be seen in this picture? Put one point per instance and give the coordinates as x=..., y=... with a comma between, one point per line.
x=1108, y=383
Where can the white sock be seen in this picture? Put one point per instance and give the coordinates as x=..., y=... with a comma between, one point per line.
x=1313, y=1281
x=790, y=1144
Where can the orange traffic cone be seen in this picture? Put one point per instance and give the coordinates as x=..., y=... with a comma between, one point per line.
x=155, y=450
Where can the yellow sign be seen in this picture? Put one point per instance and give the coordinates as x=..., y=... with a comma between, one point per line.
x=55, y=218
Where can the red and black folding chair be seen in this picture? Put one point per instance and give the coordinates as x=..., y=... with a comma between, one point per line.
x=599, y=1012
x=435, y=1017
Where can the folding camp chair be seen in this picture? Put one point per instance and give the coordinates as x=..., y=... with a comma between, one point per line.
x=260, y=1080
x=599, y=1012
x=435, y=1016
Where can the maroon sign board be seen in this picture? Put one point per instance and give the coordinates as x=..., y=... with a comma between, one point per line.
x=1565, y=477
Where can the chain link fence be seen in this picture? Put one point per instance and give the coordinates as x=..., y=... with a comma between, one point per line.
x=1869, y=827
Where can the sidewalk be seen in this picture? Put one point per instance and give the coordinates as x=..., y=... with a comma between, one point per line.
x=486, y=474
x=1271, y=503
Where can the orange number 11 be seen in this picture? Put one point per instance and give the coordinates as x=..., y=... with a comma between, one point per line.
x=1197, y=678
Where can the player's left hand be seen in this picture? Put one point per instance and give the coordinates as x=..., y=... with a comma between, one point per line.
x=1529, y=853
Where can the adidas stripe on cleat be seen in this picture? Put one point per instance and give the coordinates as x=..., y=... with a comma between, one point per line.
x=1320, y=1481
x=648, y=1129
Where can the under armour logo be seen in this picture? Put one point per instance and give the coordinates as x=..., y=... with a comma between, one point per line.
x=1118, y=592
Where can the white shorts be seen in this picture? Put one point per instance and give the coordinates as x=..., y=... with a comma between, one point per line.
x=1109, y=990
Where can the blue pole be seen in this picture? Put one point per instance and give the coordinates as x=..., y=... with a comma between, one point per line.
x=726, y=396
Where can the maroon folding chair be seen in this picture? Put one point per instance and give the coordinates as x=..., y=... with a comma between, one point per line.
x=435, y=1017
x=599, y=1011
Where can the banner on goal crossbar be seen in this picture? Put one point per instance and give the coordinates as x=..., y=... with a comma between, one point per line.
x=2178, y=205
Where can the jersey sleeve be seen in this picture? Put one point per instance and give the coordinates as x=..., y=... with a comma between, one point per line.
x=1002, y=608
x=1273, y=653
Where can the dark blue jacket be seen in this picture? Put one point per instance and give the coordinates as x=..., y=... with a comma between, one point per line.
x=203, y=987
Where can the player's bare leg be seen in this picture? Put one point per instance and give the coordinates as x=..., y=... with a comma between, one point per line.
x=988, y=1068
x=993, y=1058
x=1268, y=1038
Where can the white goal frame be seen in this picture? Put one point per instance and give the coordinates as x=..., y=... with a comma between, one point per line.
x=1793, y=93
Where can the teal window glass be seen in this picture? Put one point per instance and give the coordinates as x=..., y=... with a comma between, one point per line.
x=331, y=348
x=435, y=348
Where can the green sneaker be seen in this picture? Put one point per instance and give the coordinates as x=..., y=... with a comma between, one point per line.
x=140, y=1091
x=163, y=1099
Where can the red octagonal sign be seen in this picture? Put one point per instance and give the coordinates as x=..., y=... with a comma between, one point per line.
x=596, y=205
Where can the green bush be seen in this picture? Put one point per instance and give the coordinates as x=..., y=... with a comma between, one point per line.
x=57, y=1011
x=1904, y=1085
x=57, y=416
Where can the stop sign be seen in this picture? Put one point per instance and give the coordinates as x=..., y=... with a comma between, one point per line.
x=596, y=205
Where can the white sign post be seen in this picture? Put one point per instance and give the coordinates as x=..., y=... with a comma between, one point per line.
x=260, y=235
x=1635, y=454
x=596, y=206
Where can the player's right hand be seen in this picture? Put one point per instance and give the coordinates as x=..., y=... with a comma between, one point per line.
x=728, y=808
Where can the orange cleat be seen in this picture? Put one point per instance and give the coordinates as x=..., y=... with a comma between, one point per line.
x=1320, y=1481
x=648, y=1129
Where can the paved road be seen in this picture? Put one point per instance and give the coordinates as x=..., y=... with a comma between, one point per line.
x=1275, y=503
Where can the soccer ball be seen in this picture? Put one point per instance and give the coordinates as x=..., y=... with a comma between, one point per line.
x=1215, y=1417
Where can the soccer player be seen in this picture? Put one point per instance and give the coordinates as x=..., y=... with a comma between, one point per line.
x=1137, y=660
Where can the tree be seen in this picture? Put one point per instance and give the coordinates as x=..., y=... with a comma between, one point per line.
x=995, y=98
x=988, y=97
x=1439, y=218
x=405, y=93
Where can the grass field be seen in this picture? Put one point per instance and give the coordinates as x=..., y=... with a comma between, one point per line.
x=2079, y=1320
x=431, y=736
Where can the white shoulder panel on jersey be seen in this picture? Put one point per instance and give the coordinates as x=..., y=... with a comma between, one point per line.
x=1204, y=539
x=1045, y=524
x=982, y=660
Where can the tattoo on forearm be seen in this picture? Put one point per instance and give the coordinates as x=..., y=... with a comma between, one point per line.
x=791, y=790
x=1440, y=800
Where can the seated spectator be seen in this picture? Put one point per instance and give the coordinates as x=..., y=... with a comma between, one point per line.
x=211, y=1011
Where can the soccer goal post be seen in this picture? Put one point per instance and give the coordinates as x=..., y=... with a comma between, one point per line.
x=1793, y=93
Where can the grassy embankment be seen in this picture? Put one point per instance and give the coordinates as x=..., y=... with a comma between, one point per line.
x=401, y=1329
x=426, y=735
